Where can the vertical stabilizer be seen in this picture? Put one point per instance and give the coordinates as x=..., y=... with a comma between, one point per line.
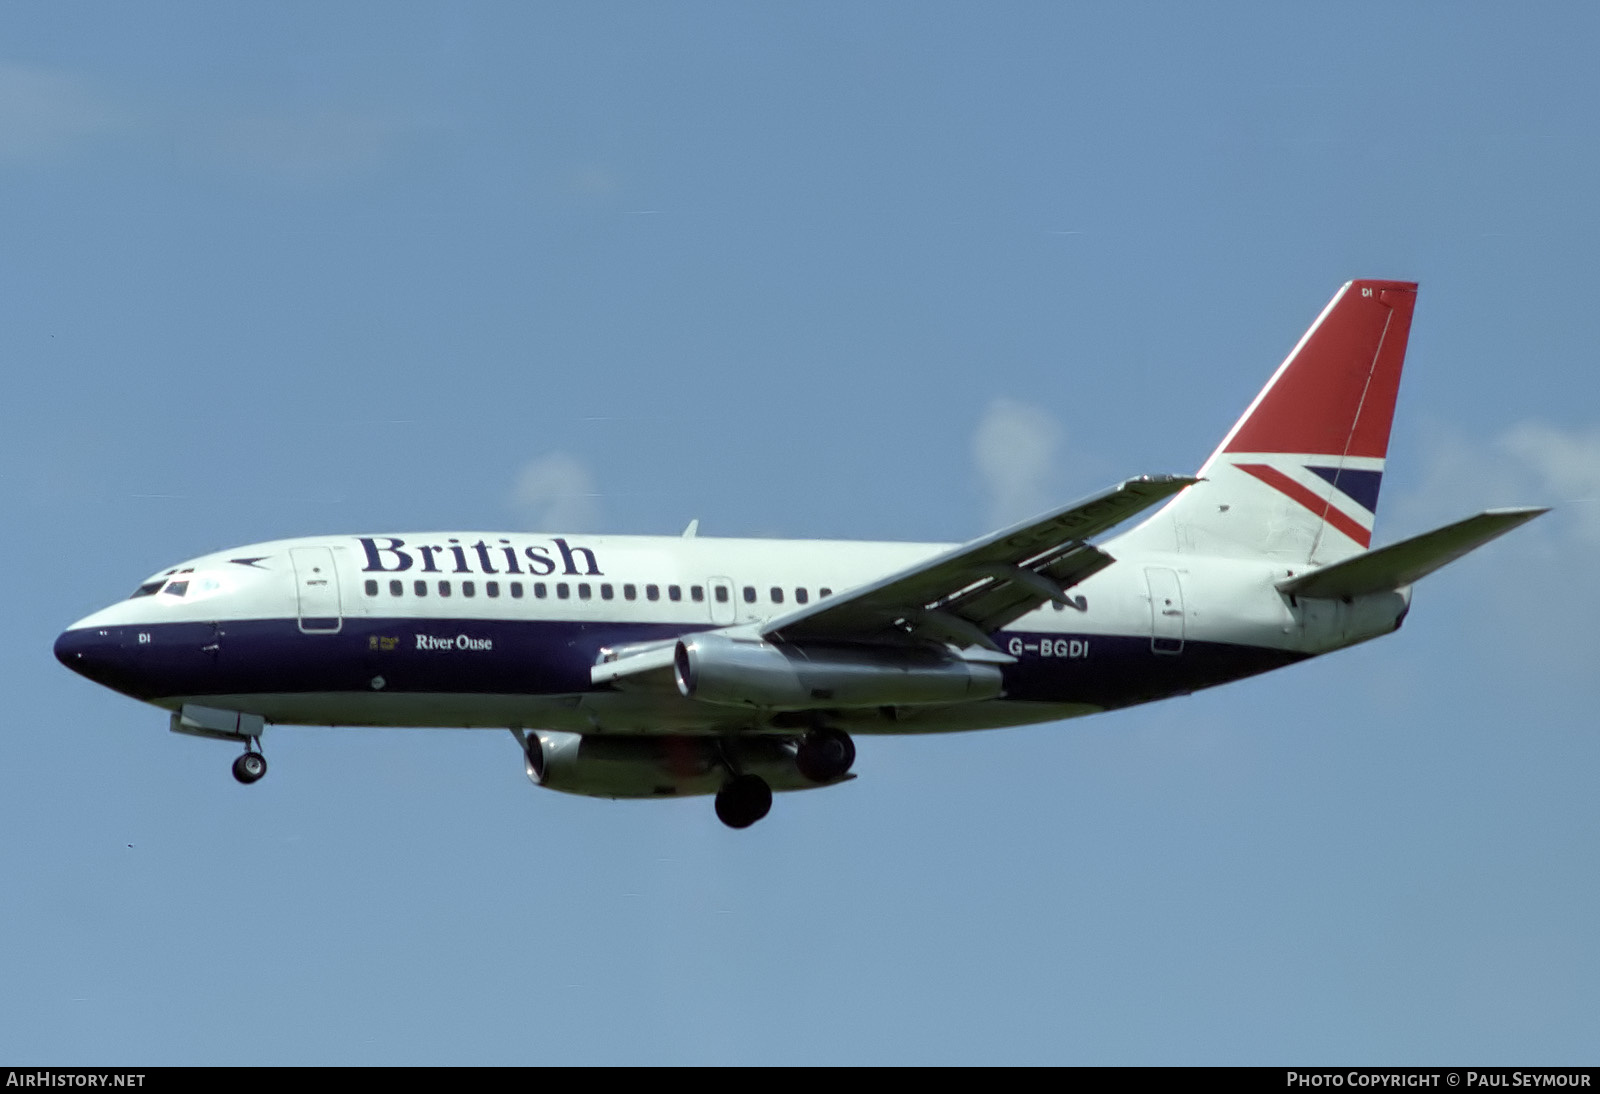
x=1297, y=478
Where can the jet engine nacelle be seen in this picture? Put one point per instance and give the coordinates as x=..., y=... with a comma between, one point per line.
x=750, y=673
x=655, y=767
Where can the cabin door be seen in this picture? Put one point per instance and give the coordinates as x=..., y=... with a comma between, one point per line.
x=317, y=587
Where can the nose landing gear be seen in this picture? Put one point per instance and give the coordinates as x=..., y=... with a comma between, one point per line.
x=251, y=766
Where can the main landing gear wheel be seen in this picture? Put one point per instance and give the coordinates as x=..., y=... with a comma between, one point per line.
x=824, y=754
x=249, y=767
x=743, y=800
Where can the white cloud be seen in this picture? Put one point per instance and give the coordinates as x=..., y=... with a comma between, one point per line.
x=1565, y=466
x=556, y=493
x=1532, y=463
x=1014, y=448
x=1537, y=581
x=309, y=148
x=44, y=112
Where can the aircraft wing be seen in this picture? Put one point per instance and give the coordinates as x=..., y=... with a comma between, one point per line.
x=964, y=594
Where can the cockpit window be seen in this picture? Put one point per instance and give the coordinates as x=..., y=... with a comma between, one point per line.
x=149, y=588
x=176, y=588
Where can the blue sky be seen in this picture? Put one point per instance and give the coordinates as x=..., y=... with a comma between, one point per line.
x=844, y=270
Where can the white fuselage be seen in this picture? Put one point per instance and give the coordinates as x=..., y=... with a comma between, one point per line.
x=492, y=629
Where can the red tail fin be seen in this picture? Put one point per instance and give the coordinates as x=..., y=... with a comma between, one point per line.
x=1335, y=394
x=1297, y=478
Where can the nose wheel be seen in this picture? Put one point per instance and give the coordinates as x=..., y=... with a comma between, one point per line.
x=249, y=767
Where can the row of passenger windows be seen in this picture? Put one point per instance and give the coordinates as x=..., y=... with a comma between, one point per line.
x=586, y=591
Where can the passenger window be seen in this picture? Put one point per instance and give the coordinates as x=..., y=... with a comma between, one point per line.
x=777, y=595
x=372, y=588
x=420, y=588
x=469, y=588
x=630, y=592
x=444, y=588
x=516, y=590
x=652, y=592
x=674, y=592
x=605, y=591
x=562, y=592
x=397, y=588
x=697, y=593
x=721, y=592
x=491, y=588
x=749, y=594
x=824, y=592
x=583, y=590
x=801, y=596
x=539, y=589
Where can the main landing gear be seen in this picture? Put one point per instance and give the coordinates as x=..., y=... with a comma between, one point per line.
x=252, y=765
x=824, y=754
x=743, y=800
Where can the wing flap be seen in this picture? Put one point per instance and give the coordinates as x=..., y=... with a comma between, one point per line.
x=982, y=585
x=1410, y=560
x=1000, y=602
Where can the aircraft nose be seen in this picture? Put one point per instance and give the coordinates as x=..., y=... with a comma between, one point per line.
x=95, y=653
x=77, y=650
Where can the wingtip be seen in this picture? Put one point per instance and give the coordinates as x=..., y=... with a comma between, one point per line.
x=1518, y=514
x=1163, y=480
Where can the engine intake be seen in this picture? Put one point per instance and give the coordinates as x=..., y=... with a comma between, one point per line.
x=714, y=668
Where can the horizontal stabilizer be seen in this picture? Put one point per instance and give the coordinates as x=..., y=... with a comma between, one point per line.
x=1400, y=564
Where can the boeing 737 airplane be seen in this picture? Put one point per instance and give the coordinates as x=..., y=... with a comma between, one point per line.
x=645, y=666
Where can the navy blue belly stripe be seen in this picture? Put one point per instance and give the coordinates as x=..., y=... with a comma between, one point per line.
x=542, y=657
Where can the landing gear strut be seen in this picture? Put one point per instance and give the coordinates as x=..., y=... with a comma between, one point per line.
x=251, y=766
x=824, y=754
x=743, y=800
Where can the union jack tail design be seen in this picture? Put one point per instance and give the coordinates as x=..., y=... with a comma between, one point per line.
x=1297, y=478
